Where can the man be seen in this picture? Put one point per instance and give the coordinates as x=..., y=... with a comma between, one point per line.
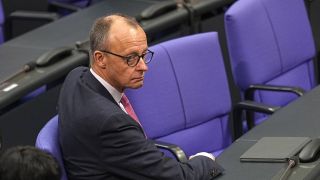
x=28, y=163
x=99, y=138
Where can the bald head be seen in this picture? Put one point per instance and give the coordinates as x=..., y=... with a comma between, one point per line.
x=114, y=41
x=101, y=30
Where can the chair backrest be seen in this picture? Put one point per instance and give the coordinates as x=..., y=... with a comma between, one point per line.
x=270, y=42
x=48, y=140
x=185, y=98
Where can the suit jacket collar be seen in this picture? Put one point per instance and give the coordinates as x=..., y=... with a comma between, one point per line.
x=89, y=80
x=96, y=86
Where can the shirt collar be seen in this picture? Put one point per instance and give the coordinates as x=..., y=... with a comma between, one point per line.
x=114, y=93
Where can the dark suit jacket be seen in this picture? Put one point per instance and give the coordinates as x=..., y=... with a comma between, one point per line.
x=100, y=141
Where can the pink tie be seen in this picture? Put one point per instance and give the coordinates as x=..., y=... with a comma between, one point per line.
x=127, y=106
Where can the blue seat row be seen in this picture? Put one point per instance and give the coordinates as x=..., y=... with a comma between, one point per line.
x=186, y=97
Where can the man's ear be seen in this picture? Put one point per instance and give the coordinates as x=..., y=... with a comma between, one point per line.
x=99, y=59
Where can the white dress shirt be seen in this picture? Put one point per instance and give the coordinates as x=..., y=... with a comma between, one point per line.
x=114, y=93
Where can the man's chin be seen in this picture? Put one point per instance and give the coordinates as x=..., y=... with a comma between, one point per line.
x=136, y=86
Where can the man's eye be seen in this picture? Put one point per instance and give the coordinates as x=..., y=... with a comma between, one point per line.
x=131, y=57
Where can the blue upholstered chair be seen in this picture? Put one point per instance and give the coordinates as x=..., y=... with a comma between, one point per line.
x=77, y=3
x=48, y=140
x=271, y=50
x=64, y=7
x=185, y=98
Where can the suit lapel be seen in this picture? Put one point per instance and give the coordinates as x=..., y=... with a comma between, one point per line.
x=96, y=86
x=89, y=80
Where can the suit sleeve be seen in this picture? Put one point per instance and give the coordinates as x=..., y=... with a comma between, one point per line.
x=128, y=154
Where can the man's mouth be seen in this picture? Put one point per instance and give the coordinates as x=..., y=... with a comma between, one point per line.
x=139, y=78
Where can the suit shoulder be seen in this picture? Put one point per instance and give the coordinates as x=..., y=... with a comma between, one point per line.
x=77, y=71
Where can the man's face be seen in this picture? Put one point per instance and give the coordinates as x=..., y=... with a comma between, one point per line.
x=124, y=40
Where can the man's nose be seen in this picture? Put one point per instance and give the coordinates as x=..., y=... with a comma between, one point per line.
x=142, y=65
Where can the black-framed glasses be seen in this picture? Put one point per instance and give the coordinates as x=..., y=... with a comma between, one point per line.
x=133, y=60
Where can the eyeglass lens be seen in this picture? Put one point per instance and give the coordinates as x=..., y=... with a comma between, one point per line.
x=135, y=59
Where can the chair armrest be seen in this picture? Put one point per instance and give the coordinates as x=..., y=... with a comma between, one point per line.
x=156, y=10
x=174, y=149
x=248, y=106
x=83, y=46
x=34, y=15
x=249, y=93
x=54, y=5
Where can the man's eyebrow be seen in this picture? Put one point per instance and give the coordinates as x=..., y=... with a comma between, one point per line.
x=137, y=53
